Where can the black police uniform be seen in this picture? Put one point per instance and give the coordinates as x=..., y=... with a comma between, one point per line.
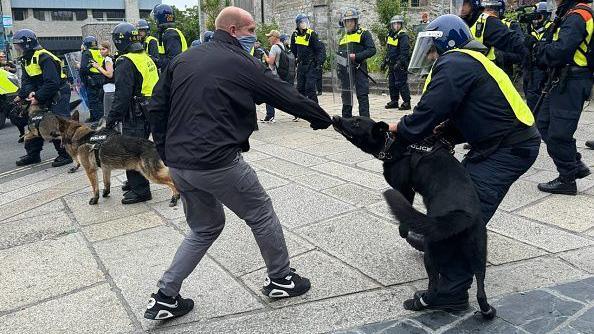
x=151, y=46
x=128, y=82
x=462, y=91
x=171, y=43
x=360, y=42
x=93, y=81
x=51, y=90
x=558, y=117
x=509, y=59
x=309, y=54
x=534, y=77
x=397, y=56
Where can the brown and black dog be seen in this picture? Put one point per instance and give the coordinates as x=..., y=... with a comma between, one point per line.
x=114, y=151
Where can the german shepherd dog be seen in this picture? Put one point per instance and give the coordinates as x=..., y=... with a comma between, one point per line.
x=452, y=228
x=115, y=152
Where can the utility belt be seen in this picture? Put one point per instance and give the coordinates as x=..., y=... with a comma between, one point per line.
x=139, y=108
x=520, y=133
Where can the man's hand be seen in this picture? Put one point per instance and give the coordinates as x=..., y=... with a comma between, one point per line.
x=32, y=99
x=352, y=56
x=393, y=127
x=17, y=99
x=95, y=64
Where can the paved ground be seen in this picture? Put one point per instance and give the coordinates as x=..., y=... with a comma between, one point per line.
x=71, y=267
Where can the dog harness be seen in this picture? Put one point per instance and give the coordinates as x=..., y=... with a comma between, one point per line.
x=385, y=154
x=96, y=141
x=425, y=148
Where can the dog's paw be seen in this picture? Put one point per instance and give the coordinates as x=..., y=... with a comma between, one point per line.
x=105, y=193
x=93, y=200
x=490, y=314
x=174, y=200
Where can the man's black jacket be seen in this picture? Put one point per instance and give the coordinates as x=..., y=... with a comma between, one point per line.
x=203, y=108
x=47, y=84
x=128, y=83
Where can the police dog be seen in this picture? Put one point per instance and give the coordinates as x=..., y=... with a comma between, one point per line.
x=452, y=227
x=114, y=152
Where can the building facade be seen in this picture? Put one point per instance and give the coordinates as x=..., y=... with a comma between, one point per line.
x=58, y=23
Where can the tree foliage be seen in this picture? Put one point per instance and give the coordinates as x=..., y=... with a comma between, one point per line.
x=211, y=9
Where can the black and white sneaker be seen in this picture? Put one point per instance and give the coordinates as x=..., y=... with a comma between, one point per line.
x=267, y=119
x=290, y=286
x=295, y=119
x=161, y=307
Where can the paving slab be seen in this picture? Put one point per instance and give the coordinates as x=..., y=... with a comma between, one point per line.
x=393, y=327
x=19, y=232
x=32, y=178
x=254, y=155
x=545, y=311
x=350, y=157
x=369, y=244
x=291, y=155
x=63, y=315
x=583, y=324
x=435, y=320
x=45, y=269
x=328, y=147
x=582, y=290
x=575, y=213
x=56, y=181
x=270, y=181
x=502, y=249
x=237, y=250
x=121, y=226
x=316, y=317
x=298, y=206
x=136, y=262
x=546, y=176
x=317, y=181
x=581, y=258
x=355, y=195
x=373, y=165
x=536, y=234
x=281, y=167
x=107, y=209
x=353, y=175
x=47, y=208
x=520, y=194
x=297, y=139
x=329, y=278
x=31, y=202
x=544, y=161
x=476, y=324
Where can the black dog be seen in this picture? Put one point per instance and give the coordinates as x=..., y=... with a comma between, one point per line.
x=452, y=228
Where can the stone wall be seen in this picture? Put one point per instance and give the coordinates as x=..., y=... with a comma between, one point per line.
x=101, y=30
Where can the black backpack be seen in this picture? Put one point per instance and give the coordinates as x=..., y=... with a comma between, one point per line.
x=286, y=65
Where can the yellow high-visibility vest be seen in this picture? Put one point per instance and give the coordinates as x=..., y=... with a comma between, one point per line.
x=354, y=37
x=303, y=39
x=33, y=69
x=6, y=86
x=148, y=40
x=579, y=57
x=478, y=34
x=182, y=38
x=147, y=68
x=394, y=41
x=98, y=58
x=520, y=108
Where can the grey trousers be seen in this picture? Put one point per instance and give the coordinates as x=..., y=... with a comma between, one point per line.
x=203, y=193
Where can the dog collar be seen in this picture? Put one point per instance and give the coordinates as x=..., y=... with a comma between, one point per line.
x=385, y=154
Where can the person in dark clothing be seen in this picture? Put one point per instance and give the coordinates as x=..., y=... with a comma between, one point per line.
x=200, y=126
x=397, y=61
x=505, y=45
x=92, y=78
x=320, y=82
x=468, y=96
x=151, y=43
x=534, y=77
x=135, y=76
x=44, y=83
x=171, y=40
x=563, y=51
x=356, y=46
x=309, y=54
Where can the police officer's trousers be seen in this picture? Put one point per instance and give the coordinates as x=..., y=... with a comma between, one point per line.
x=34, y=146
x=137, y=128
x=307, y=78
x=398, y=85
x=95, y=96
x=534, y=79
x=361, y=84
x=492, y=178
x=558, y=119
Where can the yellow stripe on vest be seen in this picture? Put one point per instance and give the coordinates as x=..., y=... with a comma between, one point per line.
x=478, y=35
x=182, y=38
x=147, y=68
x=303, y=40
x=352, y=38
x=33, y=68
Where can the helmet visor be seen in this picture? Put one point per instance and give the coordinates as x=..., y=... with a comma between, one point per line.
x=304, y=23
x=424, y=53
x=552, y=7
x=456, y=7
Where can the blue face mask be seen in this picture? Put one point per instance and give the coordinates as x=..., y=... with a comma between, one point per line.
x=247, y=42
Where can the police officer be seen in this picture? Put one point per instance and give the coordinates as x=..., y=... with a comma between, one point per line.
x=357, y=45
x=468, y=95
x=564, y=51
x=171, y=40
x=309, y=55
x=43, y=82
x=151, y=43
x=92, y=78
x=207, y=36
x=135, y=76
x=534, y=77
x=397, y=60
x=510, y=58
x=482, y=16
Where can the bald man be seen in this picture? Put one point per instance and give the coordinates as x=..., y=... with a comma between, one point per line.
x=202, y=114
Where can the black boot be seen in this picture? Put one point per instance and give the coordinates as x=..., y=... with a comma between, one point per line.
x=61, y=160
x=126, y=187
x=392, y=105
x=131, y=197
x=590, y=144
x=405, y=106
x=559, y=186
x=583, y=171
x=28, y=160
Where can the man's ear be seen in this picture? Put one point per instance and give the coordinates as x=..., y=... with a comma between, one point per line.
x=380, y=128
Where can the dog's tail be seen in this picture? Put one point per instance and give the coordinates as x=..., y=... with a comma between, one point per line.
x=433, y=228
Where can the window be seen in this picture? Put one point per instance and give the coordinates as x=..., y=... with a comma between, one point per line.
x=62, y=15
x=39, y=14
x=19, y=14
x=145, y=14
x=81, y=14
x=115, y=15
x=98, y=14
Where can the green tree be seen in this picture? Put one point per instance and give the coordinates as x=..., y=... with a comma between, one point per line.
x=262, y=30
x=188, y=21
x=211, y=9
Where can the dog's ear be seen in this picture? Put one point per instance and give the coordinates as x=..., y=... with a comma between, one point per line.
x=380, y=128
x=62, y=124
x=75, y=116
